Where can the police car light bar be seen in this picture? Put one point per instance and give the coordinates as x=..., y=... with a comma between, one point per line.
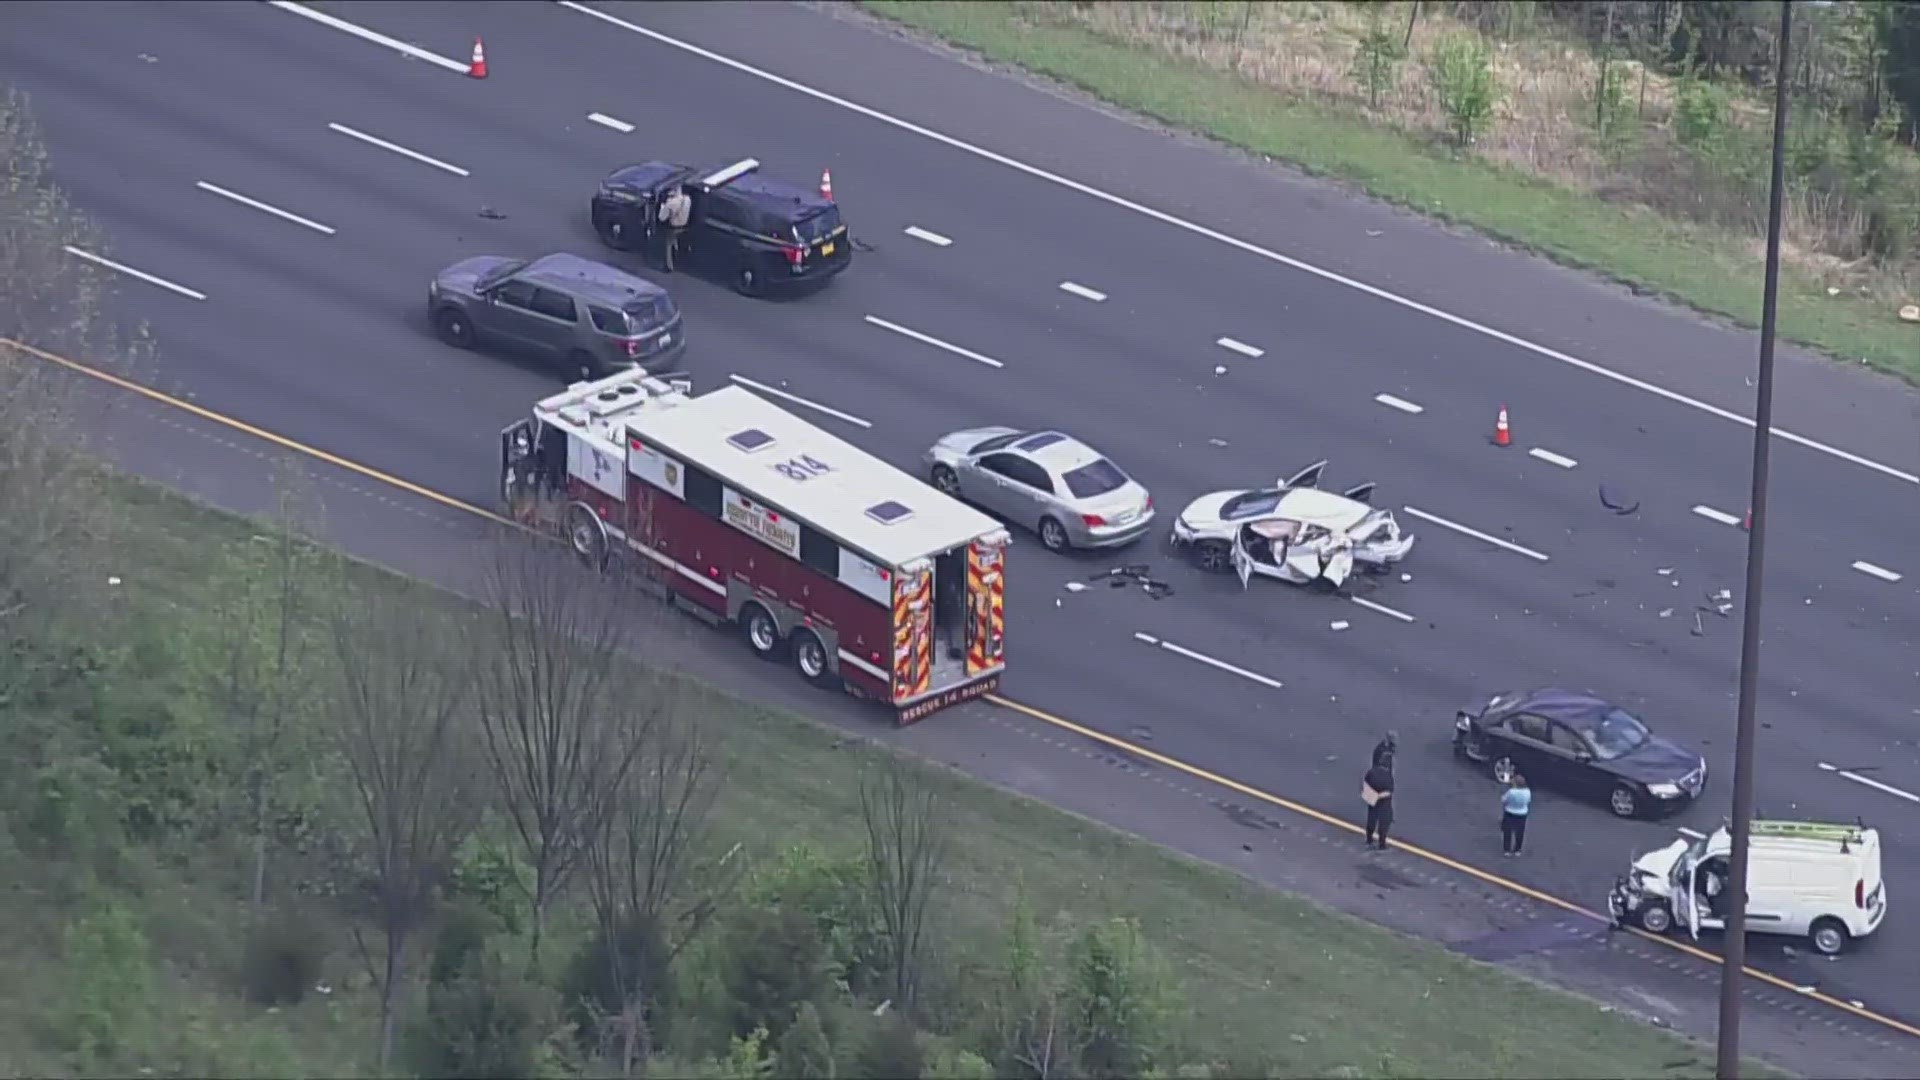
x=731, y=172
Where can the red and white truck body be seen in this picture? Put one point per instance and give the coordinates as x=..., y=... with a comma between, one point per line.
x=862, y=575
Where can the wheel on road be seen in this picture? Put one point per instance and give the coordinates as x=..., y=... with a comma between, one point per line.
x=1503, y=769
x=762, y=633
x=1622, y=801
x=1053, y=535
x=1474, y=747
x=581, y=362
x=1829, y=936
x=810, y=657
x=613, y=231
x=587, y=538
x=1213, y=555
x=1655, y=918
x=746, y=282
x=454, y=329
x=946, y=480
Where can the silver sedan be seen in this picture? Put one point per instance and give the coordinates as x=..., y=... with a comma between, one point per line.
x=1052, y=483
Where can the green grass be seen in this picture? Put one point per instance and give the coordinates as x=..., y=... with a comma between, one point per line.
x=1707, y=271
x=1264, y=976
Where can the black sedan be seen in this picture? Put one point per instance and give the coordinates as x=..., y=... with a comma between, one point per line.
x=1582, y=745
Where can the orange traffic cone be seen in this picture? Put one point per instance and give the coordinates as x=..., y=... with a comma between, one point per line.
x=1502, y=434
x=826, y=184
x=478, y=69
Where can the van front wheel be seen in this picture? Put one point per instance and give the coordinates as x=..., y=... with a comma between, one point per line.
x=1829, y=936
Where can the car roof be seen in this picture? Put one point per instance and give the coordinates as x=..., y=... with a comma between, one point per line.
x=1324, y=508
x=647, y=174
x=1566, y=706
x=595, y=282
x=1059, y=455
x=791, y=200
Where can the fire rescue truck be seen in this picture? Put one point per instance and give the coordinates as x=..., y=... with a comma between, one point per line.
x=742, y=513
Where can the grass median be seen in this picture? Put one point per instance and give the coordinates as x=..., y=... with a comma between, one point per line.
x=1693, y=265
x=1258, y=976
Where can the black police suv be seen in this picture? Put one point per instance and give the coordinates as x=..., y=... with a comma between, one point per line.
x=757, y=233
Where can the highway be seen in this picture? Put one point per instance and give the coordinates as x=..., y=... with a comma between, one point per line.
x=159, y=116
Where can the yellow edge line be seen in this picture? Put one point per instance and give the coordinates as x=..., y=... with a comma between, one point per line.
x=1006, y=703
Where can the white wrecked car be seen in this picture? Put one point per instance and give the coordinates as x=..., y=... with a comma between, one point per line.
x=1294, y=532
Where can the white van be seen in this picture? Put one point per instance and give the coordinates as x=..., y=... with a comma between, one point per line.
x=1804, y=878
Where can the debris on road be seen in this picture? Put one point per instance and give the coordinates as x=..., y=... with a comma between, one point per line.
x=1623, y=509
x=1341, y=624
x=491, y=214
x=1699, y=630
x=1219, y=369
x=1217, y=442
x=1121, y=577
x=1076, y=586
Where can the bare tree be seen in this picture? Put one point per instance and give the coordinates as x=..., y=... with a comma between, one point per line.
x=400, y=694
x=562, y=714
x=906, y=843
x=651, y=895
x=263, y=619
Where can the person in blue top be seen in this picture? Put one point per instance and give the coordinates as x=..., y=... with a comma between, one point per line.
x=1515, y=802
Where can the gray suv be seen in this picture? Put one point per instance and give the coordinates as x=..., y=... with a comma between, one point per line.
x=590, y=318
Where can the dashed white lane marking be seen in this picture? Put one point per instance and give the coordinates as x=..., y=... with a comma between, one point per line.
x=1870, y=782
x=398, y=149
x=798, y=400
x=1552, y=458
x=933, y=238
x=1463, y=530
x=132, y=273
x=284, y=215
x=928, y=339
x=1402, y=404
x=1880, y=572
x=1381, y=608
x=1689, y=833
x=1240, y=347
x=1720, y=516
x=365, y=34
x=1083, y=292
x=1234, y=242
x=1209, y=661
x=604, y=120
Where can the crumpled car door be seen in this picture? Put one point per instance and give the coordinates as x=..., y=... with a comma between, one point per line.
x=1242, y=562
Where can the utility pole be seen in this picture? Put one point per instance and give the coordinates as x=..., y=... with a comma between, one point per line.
x=1734, y=956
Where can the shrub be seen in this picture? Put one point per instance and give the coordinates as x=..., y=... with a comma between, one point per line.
x=893, y=1048
x=804, y=1051
x=485, y=1024
x=593, y=992
x=281, y=960
x=109, y=977
x=1461, y=70
x=1119, y=1000
x=775, y=960
x=832, y=890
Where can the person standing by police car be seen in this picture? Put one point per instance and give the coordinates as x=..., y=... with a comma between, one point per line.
x=676, y=210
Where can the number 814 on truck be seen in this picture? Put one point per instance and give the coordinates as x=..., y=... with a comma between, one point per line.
x=745, y=515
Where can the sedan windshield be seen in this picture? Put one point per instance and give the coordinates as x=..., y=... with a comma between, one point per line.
x=1615, y=734
x=1094, y=479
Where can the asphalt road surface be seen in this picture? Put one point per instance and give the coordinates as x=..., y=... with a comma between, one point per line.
x=158, y=116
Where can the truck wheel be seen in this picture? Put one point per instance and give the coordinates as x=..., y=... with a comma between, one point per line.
x=587, y=538
x=1655, y=918
x=763, y=634
x=1829, y=936
x=453, y=328
x=810, y=658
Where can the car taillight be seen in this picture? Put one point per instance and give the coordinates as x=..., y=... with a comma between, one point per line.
x=794, y=254
x=633, y=347
x=1860, y=894
x=1149, y=504
x=1093, y=521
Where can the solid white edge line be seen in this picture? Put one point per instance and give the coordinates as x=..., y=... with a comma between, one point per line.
x=604, y=120
x=1381, y=608
x=928, y=339
x=131, y=272
x=1870, y=782
x=267, y=208
x=1083, y=292
x=1552, y=458
x=798, y=400
x=1165, y=218
x=1880, y=572
x=365, y=34
x=933, y=238
x=1402, y=404
x=1475, y=533
x=1240, y=347
x=1720, y=516
x=1203, y=658
x=397, y=148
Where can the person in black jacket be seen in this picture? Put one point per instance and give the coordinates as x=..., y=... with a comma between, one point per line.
x=1377, y=791
x=1384, y=750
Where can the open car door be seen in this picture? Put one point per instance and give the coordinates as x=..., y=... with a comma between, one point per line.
x=1686, y=904
x=1308, y=477
x=1242, y=562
